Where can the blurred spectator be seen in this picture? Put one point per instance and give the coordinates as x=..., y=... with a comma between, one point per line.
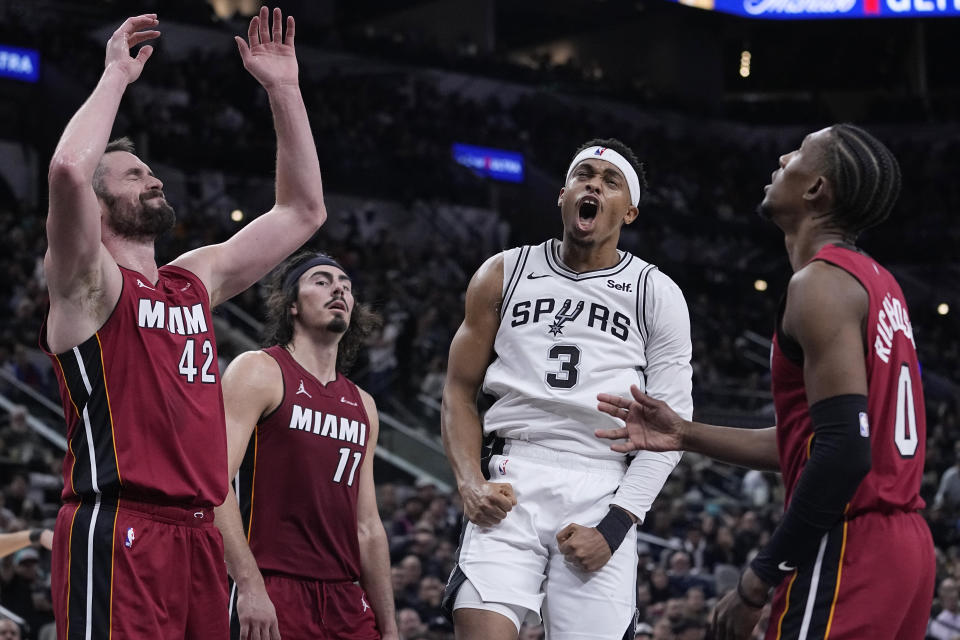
x=948, y=494
x=9, y=630
x=24, y=590
x=663, y=630
x=681, y=577
x=690, y=629
x=409, y=623
x=946, y=624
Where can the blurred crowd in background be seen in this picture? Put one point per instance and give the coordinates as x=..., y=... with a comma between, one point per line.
x=411, y=226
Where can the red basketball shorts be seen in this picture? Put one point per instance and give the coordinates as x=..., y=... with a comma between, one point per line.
x=130, y=570
x=873, y=577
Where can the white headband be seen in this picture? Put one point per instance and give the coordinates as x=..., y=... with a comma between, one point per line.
x=617, y=160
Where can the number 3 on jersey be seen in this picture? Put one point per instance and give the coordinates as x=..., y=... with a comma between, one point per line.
x=187, y=367
x=569, y=357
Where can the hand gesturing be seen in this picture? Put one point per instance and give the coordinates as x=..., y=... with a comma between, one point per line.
x=269, y=57
x=651, y=425
x=128, y=35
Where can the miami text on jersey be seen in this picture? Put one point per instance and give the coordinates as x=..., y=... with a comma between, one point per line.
x=329, y=425
x=184, y=321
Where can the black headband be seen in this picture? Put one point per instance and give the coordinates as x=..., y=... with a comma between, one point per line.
x=306, y=265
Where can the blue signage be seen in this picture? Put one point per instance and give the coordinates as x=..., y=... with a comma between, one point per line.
x=22, y=64
x=494, y=163
x=809, y=9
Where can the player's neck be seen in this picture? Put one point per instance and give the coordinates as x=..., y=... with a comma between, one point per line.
x=317, y=357
x=587, y=258
x=806, y=240
x=136, y=255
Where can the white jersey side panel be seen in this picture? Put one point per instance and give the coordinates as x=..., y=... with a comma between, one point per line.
x=563, y=338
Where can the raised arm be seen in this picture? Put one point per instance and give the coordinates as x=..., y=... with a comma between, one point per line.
x=82, y=277
x=374, y=551
x=232, y=266
x=484, y=503
x=252, y=387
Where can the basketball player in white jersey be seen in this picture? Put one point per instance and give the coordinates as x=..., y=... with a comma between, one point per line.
x=552, y=510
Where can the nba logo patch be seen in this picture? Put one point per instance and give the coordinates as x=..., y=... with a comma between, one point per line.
x=130, y=538
x=599, y=152
x=864, y=425
x=503, y=466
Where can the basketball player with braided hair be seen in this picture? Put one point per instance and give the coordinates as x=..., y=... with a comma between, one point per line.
x=852, y=557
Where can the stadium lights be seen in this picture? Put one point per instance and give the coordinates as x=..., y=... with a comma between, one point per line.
x=745, y=63
x=943, y=308
x=760, y=285
x=236, y=215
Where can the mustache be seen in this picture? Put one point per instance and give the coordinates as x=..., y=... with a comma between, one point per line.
x=151, y=194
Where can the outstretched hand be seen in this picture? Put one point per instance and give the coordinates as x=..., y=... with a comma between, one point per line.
x=651, y=425
x=269, y=57
x=129, y=34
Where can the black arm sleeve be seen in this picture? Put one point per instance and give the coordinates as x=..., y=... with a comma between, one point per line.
x=839, y=460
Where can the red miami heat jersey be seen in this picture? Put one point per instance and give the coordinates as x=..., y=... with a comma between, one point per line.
x=300, y=478
x=896, y=421
x=142, y=398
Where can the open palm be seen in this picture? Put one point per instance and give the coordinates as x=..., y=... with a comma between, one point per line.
x=269, y=57
x=650, y=425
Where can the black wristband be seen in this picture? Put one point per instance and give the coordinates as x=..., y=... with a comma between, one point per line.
x=743, y=596
x=614, y=527
x=35, y=535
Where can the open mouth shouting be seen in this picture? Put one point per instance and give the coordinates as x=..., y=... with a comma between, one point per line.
x=587, y=210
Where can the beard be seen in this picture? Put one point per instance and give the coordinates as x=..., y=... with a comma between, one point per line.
x=337, y=325
x=151, y=216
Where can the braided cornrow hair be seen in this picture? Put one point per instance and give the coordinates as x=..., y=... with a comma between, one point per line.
x=865, y=176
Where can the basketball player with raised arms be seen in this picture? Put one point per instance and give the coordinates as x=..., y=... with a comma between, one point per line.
x=306, y=547
x=852, y=556
x=551, y=515
x=136, y=553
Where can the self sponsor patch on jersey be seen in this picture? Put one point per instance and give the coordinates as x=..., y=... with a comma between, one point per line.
x=864, y=425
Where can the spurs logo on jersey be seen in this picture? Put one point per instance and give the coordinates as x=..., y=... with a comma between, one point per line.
x=565, y=338
x=557, y=327
x=598, y=318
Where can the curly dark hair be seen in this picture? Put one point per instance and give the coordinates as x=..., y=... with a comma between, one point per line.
x=278, y=328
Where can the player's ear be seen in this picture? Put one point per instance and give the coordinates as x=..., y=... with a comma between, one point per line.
x=293, y=309
x=820, y=193
x=560, y=197
x=632, y=214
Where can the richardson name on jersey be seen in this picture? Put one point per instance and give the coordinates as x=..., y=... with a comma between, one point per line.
x=891, y=318
x=596, y=317
x=309, y=420
x=183, y=321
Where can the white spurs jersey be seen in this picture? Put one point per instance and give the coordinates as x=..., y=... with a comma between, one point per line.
x=564, y=337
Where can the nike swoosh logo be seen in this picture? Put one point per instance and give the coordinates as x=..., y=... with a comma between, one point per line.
x=531, y=276
x=783, y=566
